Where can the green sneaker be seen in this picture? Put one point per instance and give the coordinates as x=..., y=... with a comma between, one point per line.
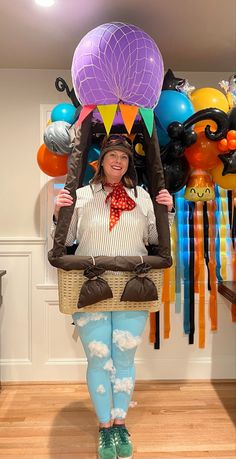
x=124, y=448
x=106, y=444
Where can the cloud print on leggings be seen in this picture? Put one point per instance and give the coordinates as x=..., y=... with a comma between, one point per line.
x=123, y=385
x=125, y=340
x=98, y=349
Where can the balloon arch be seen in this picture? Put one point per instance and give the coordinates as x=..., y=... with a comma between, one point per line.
x=119, y=86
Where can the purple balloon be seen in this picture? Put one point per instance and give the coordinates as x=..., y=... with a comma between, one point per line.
x=117, y=120
x=117, y=62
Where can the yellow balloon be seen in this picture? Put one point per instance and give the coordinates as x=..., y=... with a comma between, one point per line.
x=228, y=181
x=139, y=149
x=208, y=98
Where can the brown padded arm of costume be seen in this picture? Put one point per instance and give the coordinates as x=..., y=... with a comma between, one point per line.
x=156, y=182
x=74, y=180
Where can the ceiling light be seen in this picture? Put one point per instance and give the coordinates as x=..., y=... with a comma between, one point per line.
x=45, y=2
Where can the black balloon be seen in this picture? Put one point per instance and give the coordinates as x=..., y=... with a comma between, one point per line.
x=229, y=161
x=140, y=167
x=176, y=174
x=61, y=86
x=182, y=135
x=232, y=119
x=175, y=130
x=214, y=114
x=171, y=82
x=180, y=139
x=190, y=137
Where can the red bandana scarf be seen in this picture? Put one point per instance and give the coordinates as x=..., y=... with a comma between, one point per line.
x=119, y=201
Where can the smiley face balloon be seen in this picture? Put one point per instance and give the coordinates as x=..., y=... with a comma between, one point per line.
x=200, y=187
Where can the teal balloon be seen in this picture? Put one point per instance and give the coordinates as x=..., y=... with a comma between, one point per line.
x=173, y=106
x=93, y=155
x=63, y=112
x=162, y=135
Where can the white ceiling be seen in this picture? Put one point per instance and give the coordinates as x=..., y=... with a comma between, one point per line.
x=192, y=35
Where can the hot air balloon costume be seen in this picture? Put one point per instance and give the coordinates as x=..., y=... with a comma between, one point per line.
x=117, y=72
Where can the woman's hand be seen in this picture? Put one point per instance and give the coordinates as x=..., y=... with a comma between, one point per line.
x=63, y=199
x=165, y=198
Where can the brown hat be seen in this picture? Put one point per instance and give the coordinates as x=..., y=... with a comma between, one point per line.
x=116, y=142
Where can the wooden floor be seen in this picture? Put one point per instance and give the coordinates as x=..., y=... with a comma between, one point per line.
x=170, y=420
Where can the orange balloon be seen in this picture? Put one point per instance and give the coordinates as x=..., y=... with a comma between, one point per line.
x=231, y=135
x=228, y=181
x=51, y=164
x=223, y=145
x=232, y=144
x=203, y=154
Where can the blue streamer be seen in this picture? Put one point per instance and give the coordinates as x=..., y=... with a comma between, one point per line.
x=179, y=249
x=186, y=269
x=217, y=235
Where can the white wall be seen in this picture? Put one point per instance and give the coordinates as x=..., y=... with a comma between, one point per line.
x=36, y=342
x=21, y=93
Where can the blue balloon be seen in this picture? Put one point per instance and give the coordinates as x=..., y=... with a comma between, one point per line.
x=173, y=106
x=63, y=112
x=162, y=135
x=93, y=155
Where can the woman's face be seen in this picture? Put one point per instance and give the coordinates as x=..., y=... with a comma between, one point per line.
x=115, y=164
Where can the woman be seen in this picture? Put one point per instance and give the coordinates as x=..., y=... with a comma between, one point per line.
x=112, y=217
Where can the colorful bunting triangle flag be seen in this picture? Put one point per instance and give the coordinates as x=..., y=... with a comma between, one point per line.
x=148, y=117
x=84, y=113
x=107, y=113
x=128, y=113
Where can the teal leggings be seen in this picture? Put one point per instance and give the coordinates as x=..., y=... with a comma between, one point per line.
x=110, y=340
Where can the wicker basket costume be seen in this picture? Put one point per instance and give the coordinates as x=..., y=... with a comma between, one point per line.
x=70, y=283
x=118, y=271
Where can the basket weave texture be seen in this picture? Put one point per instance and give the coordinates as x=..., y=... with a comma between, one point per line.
x=70, y=283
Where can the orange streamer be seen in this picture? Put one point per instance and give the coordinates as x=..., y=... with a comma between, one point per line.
x=166, y=301
x=233, y=305
x=233, y=312
x=201, y=312
x=212, y=266
x=152, y=332
x=196, y=253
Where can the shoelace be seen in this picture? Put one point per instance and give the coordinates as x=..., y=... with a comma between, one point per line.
x=123, y=434
x=106, y=437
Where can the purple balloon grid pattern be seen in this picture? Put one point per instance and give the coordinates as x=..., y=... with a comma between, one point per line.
x=117, y=62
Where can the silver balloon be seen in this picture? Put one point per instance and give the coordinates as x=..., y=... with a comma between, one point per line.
x=57, y=138
x=229, y=87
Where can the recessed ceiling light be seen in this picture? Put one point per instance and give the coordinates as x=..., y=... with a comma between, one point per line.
x=45, y=2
